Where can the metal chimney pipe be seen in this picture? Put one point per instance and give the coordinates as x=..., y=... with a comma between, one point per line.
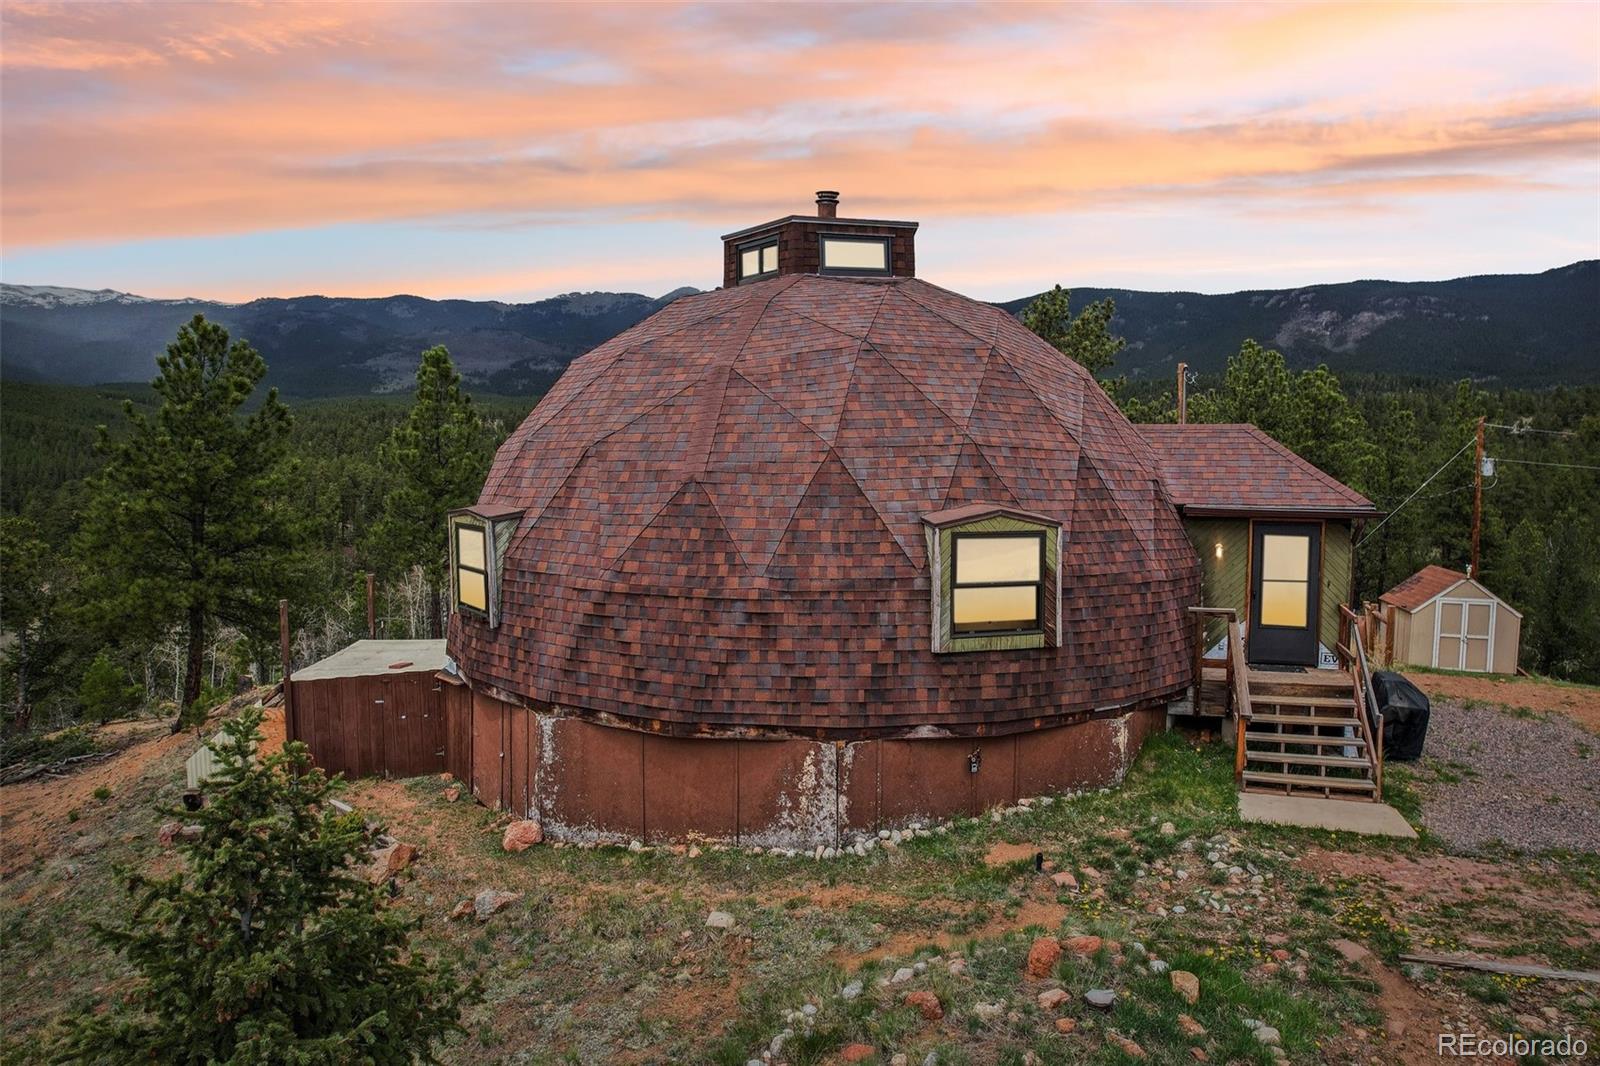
x=827, y=204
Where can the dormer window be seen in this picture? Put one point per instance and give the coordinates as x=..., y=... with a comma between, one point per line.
x=995, y=578
x=758, y=260
x=854, y=255
x=478, y=537
x=997, y=582
x=472, y=568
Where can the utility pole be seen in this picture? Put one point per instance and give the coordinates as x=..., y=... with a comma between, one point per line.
x=372, y=611
x=1183, y=393
x=1477, y=497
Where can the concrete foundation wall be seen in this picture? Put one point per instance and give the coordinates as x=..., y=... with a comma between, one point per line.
x=586, y=781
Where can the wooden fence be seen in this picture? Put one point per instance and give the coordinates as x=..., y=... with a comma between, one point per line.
x=391, y=725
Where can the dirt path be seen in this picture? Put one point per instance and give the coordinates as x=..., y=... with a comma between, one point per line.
x=37, y=816
x=1581, y=703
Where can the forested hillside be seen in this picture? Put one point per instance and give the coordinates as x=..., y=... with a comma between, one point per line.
x=1519, y=330
x=359, y=485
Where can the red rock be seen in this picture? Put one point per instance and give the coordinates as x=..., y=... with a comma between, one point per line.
x=1043, y=956
x=857, y=1052
x=1186, y=985
x=389, y=861
x=1083, y=946
x=1052, y=998
x=1198, y=1054
x=1063, y=879
x=1066, y=1025
x=1281, y=954
x=1190, y=1027
x=520, y=836
x=926, y=1002
x=168, y=832
x=1129, y=1048
x=452, y=793
x=464, y=909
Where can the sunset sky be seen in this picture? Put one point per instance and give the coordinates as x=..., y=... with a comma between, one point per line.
x=517, y=151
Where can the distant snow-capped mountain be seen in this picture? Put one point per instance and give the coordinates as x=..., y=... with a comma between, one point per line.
x=51, y=296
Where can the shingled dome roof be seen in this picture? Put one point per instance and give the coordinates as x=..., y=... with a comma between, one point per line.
x=723, y=511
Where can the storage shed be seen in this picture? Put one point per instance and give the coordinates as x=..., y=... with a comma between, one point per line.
x=375, y=708
x=1443, y=618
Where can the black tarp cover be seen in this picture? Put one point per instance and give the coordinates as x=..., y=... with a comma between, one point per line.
x=1405, y=715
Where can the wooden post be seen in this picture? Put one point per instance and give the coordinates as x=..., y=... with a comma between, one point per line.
x=1477, y=499
x=372, y=610
x=1183, y=393
x=283, y=652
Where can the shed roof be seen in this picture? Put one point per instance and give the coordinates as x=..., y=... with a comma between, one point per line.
x=724, y=520
x=1235, y=468
x=1431, y=582
x=367, y=657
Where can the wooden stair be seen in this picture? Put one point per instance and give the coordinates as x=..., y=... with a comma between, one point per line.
x=1302, y=737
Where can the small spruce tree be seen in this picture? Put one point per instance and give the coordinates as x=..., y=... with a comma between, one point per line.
x=269, y=947
x=106, y=692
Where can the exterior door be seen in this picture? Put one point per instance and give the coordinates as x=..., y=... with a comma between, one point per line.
x=1465, y=638
x=1285, y=572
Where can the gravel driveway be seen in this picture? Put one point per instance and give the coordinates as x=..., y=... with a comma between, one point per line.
x=1531, y=781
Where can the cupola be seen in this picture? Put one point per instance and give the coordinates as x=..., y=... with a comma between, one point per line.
x=822, y=243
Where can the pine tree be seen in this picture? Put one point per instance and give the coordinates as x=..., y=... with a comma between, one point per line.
x=1308, y=413
x=29, y=597
x=186, y=524
x=268, y=947
x=438, y=457
x=1087, y=338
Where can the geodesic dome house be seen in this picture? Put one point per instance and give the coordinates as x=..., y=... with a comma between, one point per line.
x=825, y=550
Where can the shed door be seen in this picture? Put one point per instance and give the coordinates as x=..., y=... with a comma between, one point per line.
x=1466, y=635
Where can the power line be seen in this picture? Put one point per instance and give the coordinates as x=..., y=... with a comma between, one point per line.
x=1530, y=429
x=1413, y=496
x=1531, y=462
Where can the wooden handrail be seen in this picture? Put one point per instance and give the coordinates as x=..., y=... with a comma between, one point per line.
x=1241, y=696
x=1366, y=700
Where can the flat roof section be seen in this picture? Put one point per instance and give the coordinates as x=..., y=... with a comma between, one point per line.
x=365, y=658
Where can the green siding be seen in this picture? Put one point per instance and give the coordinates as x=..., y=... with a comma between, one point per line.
x=1224, y=582
x=1337, y=555
x=942, y=549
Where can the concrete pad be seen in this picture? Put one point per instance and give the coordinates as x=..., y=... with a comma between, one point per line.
x=1348, y=816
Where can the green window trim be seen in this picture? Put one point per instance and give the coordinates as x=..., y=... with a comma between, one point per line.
x=941, y=555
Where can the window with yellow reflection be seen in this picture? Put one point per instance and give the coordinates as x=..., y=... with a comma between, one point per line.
x=997, y=582
x=758, y=260
x=472, y=569
x=1285, y=580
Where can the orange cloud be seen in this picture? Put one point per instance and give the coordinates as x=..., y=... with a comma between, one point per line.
x=124, y=121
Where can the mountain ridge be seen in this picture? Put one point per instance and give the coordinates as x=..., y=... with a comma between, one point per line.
x=1513, y=329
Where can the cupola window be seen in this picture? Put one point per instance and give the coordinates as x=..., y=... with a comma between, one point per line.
x=854, y=255
x=758, y=260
